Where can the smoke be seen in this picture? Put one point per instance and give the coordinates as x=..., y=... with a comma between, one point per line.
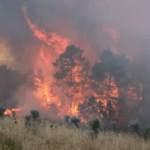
x=92, y=25
x=10, y=81
x=84, y=23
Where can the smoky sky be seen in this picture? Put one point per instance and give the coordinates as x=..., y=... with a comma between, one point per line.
x=86, y=18
x=84, y=23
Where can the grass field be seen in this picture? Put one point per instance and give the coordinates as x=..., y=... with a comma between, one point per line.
x=44, y=135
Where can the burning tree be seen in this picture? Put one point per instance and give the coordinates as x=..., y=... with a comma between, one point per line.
x=72, y=74
x=43, y=88
x=108, y=76
x=90, y=108
x=111, y=65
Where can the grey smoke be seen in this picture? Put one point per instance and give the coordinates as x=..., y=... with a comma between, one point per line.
x=10, y=81
x=87, y=18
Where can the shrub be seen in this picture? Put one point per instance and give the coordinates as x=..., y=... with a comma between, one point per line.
x=28, y=119
x=66, y=118
x=2, y=110
x=75, y=121
x=134, y=125
x=146, y=131
x=35, y=114
x=95, y=125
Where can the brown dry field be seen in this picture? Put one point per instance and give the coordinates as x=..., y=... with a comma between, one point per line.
x=60, y=137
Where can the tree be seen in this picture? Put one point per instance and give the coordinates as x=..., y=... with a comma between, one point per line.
x=75, y=121
x=113, y=65
x=72, y=72
x=66, y=118
x=35, y=114
x=110, y=74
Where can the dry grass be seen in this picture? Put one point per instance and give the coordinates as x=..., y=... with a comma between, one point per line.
x=42, y=136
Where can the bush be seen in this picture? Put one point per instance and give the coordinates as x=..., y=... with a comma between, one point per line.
x=28, y=119
x=2, y=110
x=146, y=131
x=95, y=125
x=66, y=118
x=134, y=125
x=75, y=121
x=35, y=114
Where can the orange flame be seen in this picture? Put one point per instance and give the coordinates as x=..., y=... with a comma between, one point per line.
x=56, y=42
x=57, y=45
x=16, y=110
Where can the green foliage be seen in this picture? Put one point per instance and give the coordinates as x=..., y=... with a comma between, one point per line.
x=2, y=110
x=12, y=145
x=75, y=121
x=134, y=125
x=35, y=114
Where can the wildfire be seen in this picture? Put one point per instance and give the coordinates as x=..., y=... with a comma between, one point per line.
x=77, y=93
x=16, y=110
x=79, y=88
x=55, y=42
x=44, y=93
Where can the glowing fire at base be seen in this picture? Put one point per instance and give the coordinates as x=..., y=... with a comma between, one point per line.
x=16, y=110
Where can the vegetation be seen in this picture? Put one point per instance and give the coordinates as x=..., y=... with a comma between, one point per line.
x=134, y=126
x=66, y=118
x=95, y=125
x=146, y=132
x=2, y=110
x=75, y=121
x=54, y=136
x=28, y=120
x=35, y=114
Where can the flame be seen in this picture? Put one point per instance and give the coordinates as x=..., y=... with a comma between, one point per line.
x=55, y=42
x=56, y=45
x=16, y=110
x=43, y=91
x=48, y=94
